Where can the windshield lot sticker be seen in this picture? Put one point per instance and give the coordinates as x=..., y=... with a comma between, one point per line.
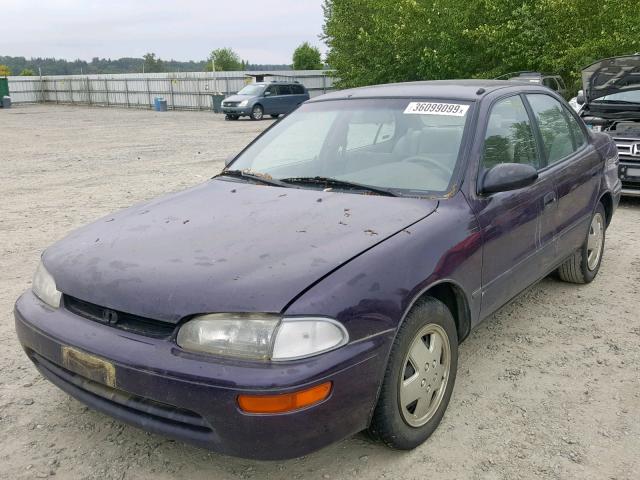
x=429, y=108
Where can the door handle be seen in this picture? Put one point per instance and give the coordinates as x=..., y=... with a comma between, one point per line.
x=549, y=199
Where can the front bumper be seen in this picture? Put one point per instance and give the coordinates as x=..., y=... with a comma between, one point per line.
x=239, y=111
x=193, y=398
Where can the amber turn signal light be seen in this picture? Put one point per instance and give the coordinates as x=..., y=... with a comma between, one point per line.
x=286, y=402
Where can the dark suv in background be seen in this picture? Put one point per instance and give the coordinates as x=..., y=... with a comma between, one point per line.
x=611, y=104
x=554, y=82
x=259, y=99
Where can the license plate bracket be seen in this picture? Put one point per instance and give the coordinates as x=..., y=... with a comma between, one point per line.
x=89, y=366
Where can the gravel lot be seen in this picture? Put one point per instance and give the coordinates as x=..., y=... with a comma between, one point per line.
x=548, y=388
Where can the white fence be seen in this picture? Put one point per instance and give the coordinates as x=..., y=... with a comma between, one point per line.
x=183, y=91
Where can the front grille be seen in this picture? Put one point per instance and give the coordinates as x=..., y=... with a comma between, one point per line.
x=627, y=149
x=120, y=403
x=230, y=104
x=120, y=320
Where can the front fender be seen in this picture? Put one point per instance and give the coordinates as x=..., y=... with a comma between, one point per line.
x=371, y=294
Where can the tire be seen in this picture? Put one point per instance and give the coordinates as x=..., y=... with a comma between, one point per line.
x=275, y=115
x=257, y=112
x=397, y=421
x=583, y=266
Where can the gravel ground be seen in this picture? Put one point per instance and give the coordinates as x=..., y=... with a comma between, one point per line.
x=548, y=388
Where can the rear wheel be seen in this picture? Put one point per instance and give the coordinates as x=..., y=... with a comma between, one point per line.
x=257, y=112
x=419, y=378
x=584, y=264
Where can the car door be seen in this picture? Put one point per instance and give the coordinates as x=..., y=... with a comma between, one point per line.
x=513, y=223
x=575, y=166
x=270, y=100
x=286, y=100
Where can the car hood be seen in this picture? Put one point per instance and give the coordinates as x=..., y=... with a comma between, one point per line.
x=611, y=75
x=223, y=246
x=238, y=98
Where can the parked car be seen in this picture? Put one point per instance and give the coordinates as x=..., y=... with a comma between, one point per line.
x=574, y=102
x=554, y=82
x=611, y=104
x=259, y=99
x=321, y=284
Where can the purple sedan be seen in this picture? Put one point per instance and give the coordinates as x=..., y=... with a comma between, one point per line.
x=321, y=284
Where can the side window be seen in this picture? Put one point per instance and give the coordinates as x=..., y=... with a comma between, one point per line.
x=284, y=90
x=364, y=131
x=271, y=89
x=557, y=136
x=578, y=134
x=509, y=137
x=297, y=89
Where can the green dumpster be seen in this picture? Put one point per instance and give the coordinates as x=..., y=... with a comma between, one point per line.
x=4, y=87
x=216, y=103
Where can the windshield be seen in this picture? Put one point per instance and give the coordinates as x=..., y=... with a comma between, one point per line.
x=632, y=96
x=408, y=146
x=252, y=90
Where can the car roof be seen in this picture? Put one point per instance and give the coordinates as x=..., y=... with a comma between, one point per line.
x=466, y=90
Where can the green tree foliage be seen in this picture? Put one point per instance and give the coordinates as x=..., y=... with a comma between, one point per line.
x=4, y=71
x=152, y=64
x=225, y=60
x=378, y=41
x=27, y=72
x=307, y=57
x=53, y=66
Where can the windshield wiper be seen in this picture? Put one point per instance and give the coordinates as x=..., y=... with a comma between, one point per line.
x=264, y=179
x=334, y=182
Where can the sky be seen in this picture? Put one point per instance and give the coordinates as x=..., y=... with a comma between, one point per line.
x=259, y=31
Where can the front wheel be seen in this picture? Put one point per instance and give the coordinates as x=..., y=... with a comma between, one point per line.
x=584, y=264
x=419, y=378
x=257, y=112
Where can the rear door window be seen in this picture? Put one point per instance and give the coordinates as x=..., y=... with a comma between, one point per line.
x=557, y=137
x=284, y=90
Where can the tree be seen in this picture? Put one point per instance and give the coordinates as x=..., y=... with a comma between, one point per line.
x=224, y=60
x=152, y=64
x=379, y=41
x=307, y=57
x=4, y=71
x=27, y=72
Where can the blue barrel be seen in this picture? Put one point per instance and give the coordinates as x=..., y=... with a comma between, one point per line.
x=162, y=105
x=156, y=104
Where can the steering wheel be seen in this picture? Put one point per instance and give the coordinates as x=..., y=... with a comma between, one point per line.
x=433, y=163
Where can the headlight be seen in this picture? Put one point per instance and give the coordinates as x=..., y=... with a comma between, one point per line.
x=243, y=103
x=261, y=337
x=44, y=287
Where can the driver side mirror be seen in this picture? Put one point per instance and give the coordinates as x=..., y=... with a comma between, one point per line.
x=505, y=177
x=580, y=98
x=267, y=93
